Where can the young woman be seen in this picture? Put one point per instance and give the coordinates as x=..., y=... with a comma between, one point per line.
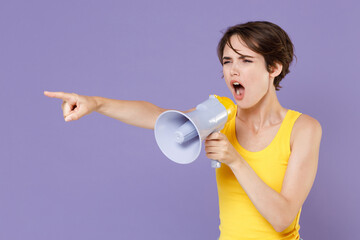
x=269, y=153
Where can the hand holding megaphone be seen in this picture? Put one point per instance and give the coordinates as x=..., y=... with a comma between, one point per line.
x=180, y=135
x=218, y=147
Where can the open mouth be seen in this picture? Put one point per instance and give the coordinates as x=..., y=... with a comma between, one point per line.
x=239, y=89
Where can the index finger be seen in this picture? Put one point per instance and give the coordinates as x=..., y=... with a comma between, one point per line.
x=60, y=95
x=214, y=136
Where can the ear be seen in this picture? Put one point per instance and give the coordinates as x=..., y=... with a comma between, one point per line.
x=275, y=70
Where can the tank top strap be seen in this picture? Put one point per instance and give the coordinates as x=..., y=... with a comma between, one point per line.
x=284, y=133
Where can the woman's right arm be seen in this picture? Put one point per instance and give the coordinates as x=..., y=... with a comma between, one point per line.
x=138, y=113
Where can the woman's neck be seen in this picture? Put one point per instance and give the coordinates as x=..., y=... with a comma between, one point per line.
x=267, y=112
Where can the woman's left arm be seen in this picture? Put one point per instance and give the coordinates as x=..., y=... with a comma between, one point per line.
x=279, y=209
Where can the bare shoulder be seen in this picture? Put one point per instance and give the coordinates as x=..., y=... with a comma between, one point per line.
x=308, y=122
x=306, y=127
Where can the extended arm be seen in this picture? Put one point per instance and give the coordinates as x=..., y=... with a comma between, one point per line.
x=138, y=113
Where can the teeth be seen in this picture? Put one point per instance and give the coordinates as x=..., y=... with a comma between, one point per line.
x=236, y=84
x=237, y=91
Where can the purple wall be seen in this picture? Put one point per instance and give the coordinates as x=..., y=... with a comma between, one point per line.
x=100, y=179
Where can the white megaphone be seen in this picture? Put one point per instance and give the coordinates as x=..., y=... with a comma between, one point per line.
x=179, y=135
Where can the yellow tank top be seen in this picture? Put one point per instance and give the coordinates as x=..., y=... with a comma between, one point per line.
x=239, y=219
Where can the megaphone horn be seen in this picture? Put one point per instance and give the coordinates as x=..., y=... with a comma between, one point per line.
x=180, y=135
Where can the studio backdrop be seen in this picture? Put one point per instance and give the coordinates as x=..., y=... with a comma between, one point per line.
x=98, y=178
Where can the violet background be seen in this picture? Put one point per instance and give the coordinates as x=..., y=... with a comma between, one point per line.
x=97, y=178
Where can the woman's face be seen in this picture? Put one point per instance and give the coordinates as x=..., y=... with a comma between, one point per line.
x=245, y=74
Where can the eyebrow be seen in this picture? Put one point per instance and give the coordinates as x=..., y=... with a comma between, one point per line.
x=241, y=56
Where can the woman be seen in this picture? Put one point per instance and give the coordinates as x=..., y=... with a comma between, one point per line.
x=270, y=153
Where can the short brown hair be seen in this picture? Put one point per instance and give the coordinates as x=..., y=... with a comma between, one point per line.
x=265, y=38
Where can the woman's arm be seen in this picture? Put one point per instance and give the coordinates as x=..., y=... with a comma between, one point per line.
x=279, y=209
x=138, y=113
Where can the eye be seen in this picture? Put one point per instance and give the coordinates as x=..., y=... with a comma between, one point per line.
x=226, y=62
x=247, y=61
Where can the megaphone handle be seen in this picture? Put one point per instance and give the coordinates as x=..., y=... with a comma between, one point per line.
x=215, y=164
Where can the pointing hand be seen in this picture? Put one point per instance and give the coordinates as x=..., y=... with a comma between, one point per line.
x=74, y=106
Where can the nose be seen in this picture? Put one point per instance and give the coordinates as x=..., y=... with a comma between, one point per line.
x=234, y=70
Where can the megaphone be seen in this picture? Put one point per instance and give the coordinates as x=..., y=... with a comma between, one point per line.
x=180, y=135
